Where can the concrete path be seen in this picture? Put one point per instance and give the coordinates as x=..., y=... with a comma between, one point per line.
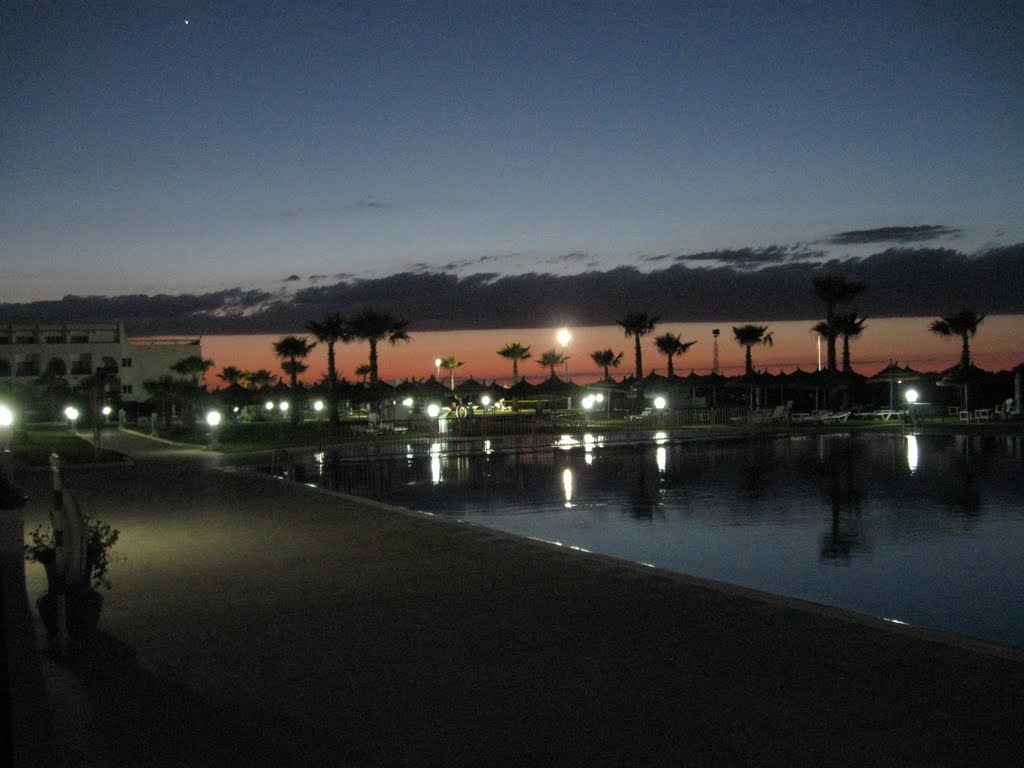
x=257, y=623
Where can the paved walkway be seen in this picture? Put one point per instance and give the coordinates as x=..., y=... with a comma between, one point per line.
x=257, y=623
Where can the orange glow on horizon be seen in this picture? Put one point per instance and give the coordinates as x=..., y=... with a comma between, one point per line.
x=998, y=345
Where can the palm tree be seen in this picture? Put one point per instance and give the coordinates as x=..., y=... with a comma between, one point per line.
x=670, y=345
x=231, y=375
x=450, y=364
x=551, y=360
x=849, y=326
x=363, y=370
x=834, y=290
x=373, y=326
x=606, y=359
x=261, y=379
x=750, y=335
x=194, y=368
x=515, y=352
x=638, y=324
x=963, y=324
x=290, y=349
x=163, y=391
x=330, y=331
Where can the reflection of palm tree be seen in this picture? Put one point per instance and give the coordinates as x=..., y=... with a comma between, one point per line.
x=291, y=349
x=834, y=290
x=450, y=364
x=515, y=352
x=606, y=359
x=748, y=336
x=637, y=324
x=330, y=331
x=373, y=327
x=963, y=324
x=670, y=345
x=552, y=359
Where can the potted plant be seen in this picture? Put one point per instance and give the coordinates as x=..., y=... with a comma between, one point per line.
x=83, y=601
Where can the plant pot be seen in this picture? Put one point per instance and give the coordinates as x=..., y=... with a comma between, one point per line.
x=82, y=609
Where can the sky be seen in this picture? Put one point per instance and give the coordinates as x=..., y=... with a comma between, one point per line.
x=207, y=150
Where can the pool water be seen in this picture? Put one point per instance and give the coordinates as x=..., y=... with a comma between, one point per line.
x=922, y=529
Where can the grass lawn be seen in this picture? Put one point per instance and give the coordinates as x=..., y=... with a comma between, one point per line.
x=34, y=446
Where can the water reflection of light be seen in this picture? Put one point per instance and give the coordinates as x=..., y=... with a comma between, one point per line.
x=912, y=452
x=487, y=448
x=408, y=451
x=435, y=463
x=567, y=485
x=319, y=457
x=565, y=442
x=589, y=458
x=661, y=437
x=662, y=458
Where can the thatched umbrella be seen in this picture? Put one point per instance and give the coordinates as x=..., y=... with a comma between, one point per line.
x=892, y=375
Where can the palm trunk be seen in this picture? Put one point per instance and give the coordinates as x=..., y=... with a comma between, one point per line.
x=965, y=353
x=750, y=361
x=671, y=370
x=373, y=361
x=846, y=354
x=332, y=386
x=639, y=360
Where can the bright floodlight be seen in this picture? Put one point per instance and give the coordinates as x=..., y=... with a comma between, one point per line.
x=563, y=336
x=107, y=410
x=283, y=406
x=269, y=405
x=599, y=397
x=911, y=396
x=433, y=410
x=71, y=413
x=407, y=402
x=660, y=403
x=318, y=406
x=6, y=416
x=213, y=418
x=437, y=362
x=588, y=402
x=485, y=400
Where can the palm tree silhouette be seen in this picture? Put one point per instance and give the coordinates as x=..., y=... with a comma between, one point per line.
x=606, y=359
x=963, y=324
x=450, y=364
x=261, y=379
x=638, y=324
x=670, y=345
x=291, y=349
x=748, y=336
x=849, y=326
x=515, y=352
x=834, y=290
x=330, y=331
x=231, y=375
x=551, y=360
x=373, y=327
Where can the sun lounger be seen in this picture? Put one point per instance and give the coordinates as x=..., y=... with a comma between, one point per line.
x=835, y=417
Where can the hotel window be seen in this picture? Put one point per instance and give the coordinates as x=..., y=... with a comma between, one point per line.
x=79, y=339
x=126, y=389
x=126, y=362
x=26, y=340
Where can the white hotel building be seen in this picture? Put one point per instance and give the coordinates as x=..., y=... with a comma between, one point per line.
x=77, y=351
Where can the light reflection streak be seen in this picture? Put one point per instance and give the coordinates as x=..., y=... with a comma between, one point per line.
x=565, y=442
x=435, y=463
x=912, y=453
x=567, y=485
x=662, y=458
x=661, y=438
x=487, y=448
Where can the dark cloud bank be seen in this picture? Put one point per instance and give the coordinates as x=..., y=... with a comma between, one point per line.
x=767, y=284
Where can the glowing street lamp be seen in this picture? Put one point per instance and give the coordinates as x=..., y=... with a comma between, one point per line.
x=318, y=406
x=213, y=418
x=284, y=406
x=437, y=365
x=71, y=414
x=433, y=410
x=660, y=403
x=911, y=397
x=269, y=405
x=6, y=422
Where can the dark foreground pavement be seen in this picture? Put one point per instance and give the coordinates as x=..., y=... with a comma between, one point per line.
x=257, y=623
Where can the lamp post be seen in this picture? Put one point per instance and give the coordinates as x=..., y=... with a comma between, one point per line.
x=437, y=366
x=715, y=332
x=911, y=397
x=71, y=414
x=213, y=418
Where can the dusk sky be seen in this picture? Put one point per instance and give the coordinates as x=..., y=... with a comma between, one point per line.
x=188, y=148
